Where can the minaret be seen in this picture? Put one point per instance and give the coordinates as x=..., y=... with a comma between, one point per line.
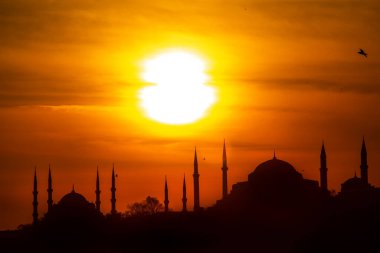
x=224, y=169
x=166, y=201
x=97, y=191
x=113, y=191
x=196, y=183
x=363, y=164
x=35, y=202
x=50, y=192
x=184, y=199
x=323, y=169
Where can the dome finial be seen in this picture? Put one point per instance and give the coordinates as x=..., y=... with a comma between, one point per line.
x=73, y=188
x=274, y=154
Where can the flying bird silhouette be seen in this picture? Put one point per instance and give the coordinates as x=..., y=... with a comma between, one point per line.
x=361, y=51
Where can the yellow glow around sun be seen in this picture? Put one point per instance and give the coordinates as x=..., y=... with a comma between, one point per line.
x=180, y=95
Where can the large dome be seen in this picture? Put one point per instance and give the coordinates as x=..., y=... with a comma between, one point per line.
x=272, y=169
x=276, y=179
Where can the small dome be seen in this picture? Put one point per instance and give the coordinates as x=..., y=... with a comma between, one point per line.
x=354, y=184
x=353, y=181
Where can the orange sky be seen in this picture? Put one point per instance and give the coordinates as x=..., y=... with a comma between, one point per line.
x=286, y=72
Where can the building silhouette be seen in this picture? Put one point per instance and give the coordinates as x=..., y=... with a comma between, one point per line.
x=166, y=201
x=363, y=164
x=273, y=183
x=323, y=169
x=97, y=191
x=356, y=185
x=184, y=198
x=50, y=191
x=35, y=199
x=73, y=214
x=73, y=210
x=224, y=169
x=113, y=192
x=196, y=182
x=357, y=192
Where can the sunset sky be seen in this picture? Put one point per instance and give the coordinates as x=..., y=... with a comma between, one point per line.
x=286, y=74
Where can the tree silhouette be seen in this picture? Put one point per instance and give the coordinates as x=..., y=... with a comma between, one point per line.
x=149, y=206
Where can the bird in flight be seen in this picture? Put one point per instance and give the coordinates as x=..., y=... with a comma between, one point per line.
x=361, y=51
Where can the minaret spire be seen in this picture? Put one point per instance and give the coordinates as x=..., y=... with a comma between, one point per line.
x=184, y=199
x=50, y=192
x=224, y=169
x=196, y=182
x=363, y=164
x=113, y=192
x=224, y=154
x=323, y=169
x=35, y=201
x=97, y=191
x=166, y=202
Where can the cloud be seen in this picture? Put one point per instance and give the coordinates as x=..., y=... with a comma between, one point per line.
x=92, y=22
x=34, y=91
x=317, y=84
x=56, y=33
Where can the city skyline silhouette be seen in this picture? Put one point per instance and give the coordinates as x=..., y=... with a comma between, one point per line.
x=321, y=182
x=202, y=126
x=276, y=196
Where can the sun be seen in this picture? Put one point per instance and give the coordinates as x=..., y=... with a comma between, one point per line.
x=178, y=94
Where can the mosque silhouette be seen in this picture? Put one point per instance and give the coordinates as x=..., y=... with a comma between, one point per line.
x=275, y=210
